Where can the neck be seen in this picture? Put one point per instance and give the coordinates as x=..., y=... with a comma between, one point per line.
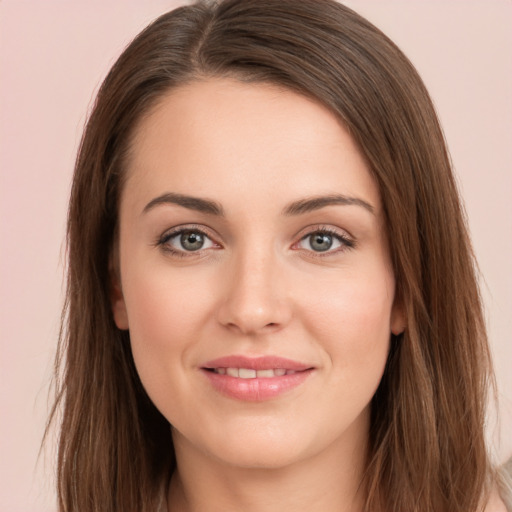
x=329, y=481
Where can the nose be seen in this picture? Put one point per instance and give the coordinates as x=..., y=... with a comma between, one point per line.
x=256, y=299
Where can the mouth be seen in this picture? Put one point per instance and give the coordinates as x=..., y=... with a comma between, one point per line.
x=249, y=373
x=255, y=379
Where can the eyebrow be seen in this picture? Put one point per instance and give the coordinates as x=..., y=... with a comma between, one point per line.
x=190, y=202
x=296, y=208
x=316, y=203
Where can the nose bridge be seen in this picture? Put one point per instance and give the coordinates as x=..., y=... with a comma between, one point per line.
x=255, y=297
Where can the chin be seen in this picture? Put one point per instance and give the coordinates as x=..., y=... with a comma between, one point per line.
x=246, y=444
x=260, y=445
x=254, y=455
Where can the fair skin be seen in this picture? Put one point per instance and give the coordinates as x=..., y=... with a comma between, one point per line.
x=222, y=253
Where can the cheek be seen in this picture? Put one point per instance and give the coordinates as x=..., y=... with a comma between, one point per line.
x=161, y=302
x=166, y=311
x=352, y=322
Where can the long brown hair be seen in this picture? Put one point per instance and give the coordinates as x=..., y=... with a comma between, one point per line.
x=427, y=449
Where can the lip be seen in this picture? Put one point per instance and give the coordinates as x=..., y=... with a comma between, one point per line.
x=256, y=363
x=256, y=389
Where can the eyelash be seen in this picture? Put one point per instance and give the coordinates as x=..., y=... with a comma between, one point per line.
x=164, y=240
x=346, y=243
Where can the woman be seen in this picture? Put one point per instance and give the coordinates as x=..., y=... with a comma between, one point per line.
x=271, y=295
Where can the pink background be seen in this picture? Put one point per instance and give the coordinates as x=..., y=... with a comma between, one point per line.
x=53, y=55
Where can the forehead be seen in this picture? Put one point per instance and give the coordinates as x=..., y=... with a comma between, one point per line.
x=222, y=136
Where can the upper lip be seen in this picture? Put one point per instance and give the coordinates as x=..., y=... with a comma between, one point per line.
x=256, y=363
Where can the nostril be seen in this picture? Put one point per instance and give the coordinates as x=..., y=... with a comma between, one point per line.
x=251, y=314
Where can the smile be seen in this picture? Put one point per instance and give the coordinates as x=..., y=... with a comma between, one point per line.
x=249, y=373
x=255, y=379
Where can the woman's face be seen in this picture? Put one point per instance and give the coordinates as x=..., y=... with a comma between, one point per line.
x=255, y=275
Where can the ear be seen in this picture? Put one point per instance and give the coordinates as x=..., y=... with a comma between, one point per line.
x=117, y=298
x=118, y=306
x=398, y=317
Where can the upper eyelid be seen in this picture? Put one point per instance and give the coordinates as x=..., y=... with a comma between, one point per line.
x=315, y=228
x=176, y=230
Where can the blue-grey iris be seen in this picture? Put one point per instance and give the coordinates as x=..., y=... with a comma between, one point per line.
x=191, y=240
x=320, y=241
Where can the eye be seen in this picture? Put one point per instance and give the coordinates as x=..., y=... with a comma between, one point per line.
x=189, y=240
x=322, y=241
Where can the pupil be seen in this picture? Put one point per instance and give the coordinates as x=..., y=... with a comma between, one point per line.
x=321, y=242
x=192, y=241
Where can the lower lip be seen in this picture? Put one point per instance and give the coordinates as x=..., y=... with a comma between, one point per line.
x=257, y=389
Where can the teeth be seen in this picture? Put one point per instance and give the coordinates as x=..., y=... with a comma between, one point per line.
x=244, y=373
x=248, y=373
x=265, y=373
